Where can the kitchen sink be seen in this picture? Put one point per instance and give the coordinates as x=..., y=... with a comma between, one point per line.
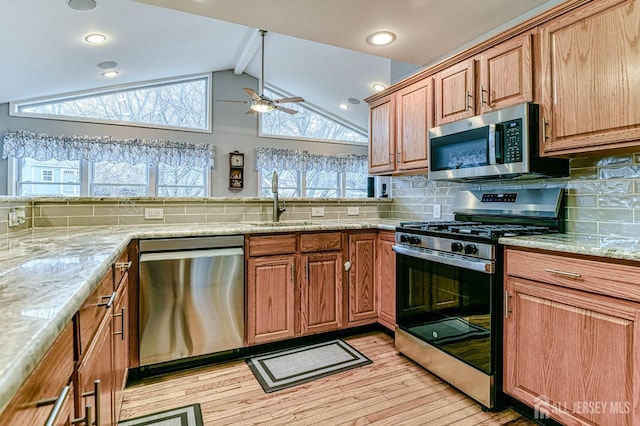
x=287, y=223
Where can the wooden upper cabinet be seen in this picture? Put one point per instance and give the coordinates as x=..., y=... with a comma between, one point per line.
x=506, y=74
x=590, y=60
x=455, y=92
x=414, y=106
x=382, y=127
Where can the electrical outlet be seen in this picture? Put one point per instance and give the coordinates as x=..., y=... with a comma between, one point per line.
x=317, y=211
x=437, y=211
x=153, y=213
x=13, y=219
x=353, y=211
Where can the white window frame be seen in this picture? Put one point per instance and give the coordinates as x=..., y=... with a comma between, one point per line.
x=302, y=182
x=42, y=172
x=317, y=110
x=14, y=107
x=14, y=174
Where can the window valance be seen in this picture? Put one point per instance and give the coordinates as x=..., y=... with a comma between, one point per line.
x=291, y=159
x=43, y=146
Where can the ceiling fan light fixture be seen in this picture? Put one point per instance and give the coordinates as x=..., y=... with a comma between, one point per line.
x=381, y=38
x=82, y=4
x=262, y=105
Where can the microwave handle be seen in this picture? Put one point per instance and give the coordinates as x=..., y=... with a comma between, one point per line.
x=492, y=144
x=499, y=143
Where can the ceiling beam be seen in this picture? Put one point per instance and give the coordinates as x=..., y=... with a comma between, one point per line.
x=250, y=48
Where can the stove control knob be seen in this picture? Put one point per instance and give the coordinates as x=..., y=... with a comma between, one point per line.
x=470, y=249
x=457, y=247
x=415, y=240
x=404, y=238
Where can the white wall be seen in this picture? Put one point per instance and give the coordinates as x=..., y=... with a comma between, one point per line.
x=232, y=130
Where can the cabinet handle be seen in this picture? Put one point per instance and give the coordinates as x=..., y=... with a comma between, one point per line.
x=482, y=92
x=87, y=417
x=399, y=157
x=468, y=97
x=293, y=269
x=57, y=405
x=506, y=304
x=390, y=158
x=96, y=398
x=347, y=265
x=563, y=273
x=121, y=315
x=544, y=129
x=109, y=302
x=124, y=265
x=306, y=272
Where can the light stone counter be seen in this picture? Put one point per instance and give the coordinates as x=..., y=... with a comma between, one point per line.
x=611, y=247
x=47, y=273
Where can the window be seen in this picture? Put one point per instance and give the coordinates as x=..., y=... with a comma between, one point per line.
x=315, y=184
x=289, y=183
x=307, y=124
x=46, y=178
x=321, y=184
x=355, y=185
x=106, y=179
x=176, y=104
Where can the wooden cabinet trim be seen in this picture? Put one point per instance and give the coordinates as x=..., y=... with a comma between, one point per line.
x=93, y=311
x=266, y=245
x=325, y=241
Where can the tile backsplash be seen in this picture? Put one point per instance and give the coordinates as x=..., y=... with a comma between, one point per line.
x=602, y=195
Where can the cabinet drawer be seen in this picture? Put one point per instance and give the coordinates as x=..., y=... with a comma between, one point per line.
x=93, y=311
x=619, y=280
x=120, y=267
x=325, y=241
x=45, y=383
x=272, y=244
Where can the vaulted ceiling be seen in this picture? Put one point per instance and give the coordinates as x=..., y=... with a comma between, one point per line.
x=315, y=48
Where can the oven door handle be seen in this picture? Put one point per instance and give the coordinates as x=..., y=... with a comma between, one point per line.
x=480, y=265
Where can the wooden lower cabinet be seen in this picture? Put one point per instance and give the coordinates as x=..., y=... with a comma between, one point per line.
x=362, y=281
x=120, y=338
x=270, y=298
x=572, y=354
x=51, y=380
x=386, y=279
x=321, y=292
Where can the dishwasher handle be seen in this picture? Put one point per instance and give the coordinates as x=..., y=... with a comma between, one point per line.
x=193, y=243
x=190, y=254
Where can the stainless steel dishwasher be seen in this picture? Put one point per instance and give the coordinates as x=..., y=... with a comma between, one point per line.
x=191, y=297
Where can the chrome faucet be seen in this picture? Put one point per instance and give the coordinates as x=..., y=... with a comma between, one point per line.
x=278, y=208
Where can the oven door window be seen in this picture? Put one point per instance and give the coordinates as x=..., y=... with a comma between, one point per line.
x=460, y=150
x=447, y=307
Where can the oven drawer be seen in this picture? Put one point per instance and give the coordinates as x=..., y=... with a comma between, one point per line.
x=610, y=278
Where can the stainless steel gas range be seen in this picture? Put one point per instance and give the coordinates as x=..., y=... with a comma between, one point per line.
x=449, y=291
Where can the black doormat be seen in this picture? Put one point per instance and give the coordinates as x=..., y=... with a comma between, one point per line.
x=190, y=415
x=292, y=367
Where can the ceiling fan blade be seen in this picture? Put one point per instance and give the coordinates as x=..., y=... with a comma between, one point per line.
x=231, y=100
x=287, y=100
x=287, y=110
x=250, y=112
x=252, y=93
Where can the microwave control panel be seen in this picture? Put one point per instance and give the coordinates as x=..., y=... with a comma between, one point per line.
x=512, y=141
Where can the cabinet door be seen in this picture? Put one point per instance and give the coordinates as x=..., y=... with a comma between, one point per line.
x=415, y=116
x=362, y=283
x=566, y=350
x=321, y=292
x=386, y=276
x=590, y=60
x=382, y=128
x=455, y=91
x=270, y=301
x=120, y=326
x=97, y=365
x=506, y=73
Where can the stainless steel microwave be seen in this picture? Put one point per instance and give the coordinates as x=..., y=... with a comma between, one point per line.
x=500, y=144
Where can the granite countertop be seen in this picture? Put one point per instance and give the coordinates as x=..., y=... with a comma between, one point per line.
x=47, y=273
x=608, y=247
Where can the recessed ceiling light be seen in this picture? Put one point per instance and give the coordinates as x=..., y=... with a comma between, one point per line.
x=82, y=4
x=95, y=38
x=381, y=38
x=344, y=106
x=379, y=87
x=107, y=64
x=110, y=74
x=353, y=101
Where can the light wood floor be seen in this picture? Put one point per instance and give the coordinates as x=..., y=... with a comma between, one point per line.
x=391, y=391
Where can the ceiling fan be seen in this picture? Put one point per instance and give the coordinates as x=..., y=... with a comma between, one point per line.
x=262, y=103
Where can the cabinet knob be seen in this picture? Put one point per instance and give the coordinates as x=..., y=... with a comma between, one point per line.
x=347, y=265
